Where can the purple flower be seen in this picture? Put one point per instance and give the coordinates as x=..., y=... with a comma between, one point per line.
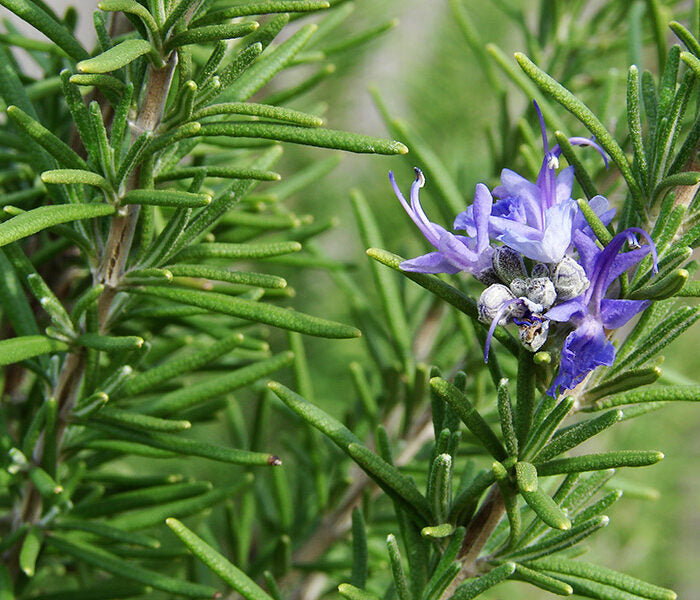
x=454, y=253
x=538, y=219
x=588, y=347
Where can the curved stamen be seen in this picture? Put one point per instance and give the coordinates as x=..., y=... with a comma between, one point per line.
x=492, y=328
x=543, y=129
x=582, y=141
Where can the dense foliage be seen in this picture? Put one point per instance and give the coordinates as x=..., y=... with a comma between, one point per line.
x=145, y=305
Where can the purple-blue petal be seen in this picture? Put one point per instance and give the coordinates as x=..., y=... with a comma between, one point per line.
x=584, y=349
x=433, y=262
x=564, y=311
x=615, y=313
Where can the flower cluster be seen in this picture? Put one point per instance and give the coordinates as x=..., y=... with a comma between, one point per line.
x=533, y=248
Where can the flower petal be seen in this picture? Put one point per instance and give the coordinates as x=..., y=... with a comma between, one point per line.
x=565, y=183
x=615, y=313
x=564, y=311
x=433, y=262
x=584, y=349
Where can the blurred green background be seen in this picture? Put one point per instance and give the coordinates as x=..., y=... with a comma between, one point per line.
x=428, y=77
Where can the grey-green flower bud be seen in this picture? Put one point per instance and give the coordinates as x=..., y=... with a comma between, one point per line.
x=508, y=264
x=491, y=301
x=569, y=279
x=541, y=290
x=519, y=286
x=539, y=270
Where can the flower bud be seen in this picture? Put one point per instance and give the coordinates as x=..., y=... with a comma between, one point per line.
x=569, y=279
x=539, y=270
x=508, y=264
x=492, y=301
x=541, y=290
x=519, y=286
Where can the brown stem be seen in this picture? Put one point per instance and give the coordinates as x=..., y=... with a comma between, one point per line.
x=478, y=533
x=109, y=272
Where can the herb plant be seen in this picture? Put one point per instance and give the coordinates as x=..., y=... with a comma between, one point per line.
x=142, y=297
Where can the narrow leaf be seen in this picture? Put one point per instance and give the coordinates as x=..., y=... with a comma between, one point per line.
x=236, y=578
x=38, y=219
x=253, y=311
x=116, y=57
x=20, y=348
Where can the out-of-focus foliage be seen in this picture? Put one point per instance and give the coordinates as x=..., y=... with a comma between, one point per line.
x=133, y=374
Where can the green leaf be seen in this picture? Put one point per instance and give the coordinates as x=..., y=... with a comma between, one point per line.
x=576, y=107
x=173, y=198
x=75, y=176
x=236, y=578
x=263, y=7
x=391, y=480
x=222, y=274
x=322, y=138
x=440, y=488
x=601, y=232
x=133, y=420
x=266, y=111
x=542, y=581
x=139, y=498
x=620, y=383
x=542, y=434
x=110, y=343
x=397, y=571
x=20, y=348
x=155, y=515
x=385, y=282
x=109, y=85
x=360, y=559
x=63, y=153
x=470, y=416
x=131, y=7
x=256, y=76
x=180, y=365
x=101, y=559
x=116, y=57
x=578, y=434
x=38, y=219
x=580, y=172
x=252, y=311
x=351, y=592
x=603, y=575
x=190, y=395
x=667, y=393
x=545, y=508
x=686, y=37
x=29, y=551
x=597, y=462
x=51, y=28
x=387, y=476
x=106, y=531
x=213, y=171
x=178, y=12
x=224, y=250
x=473, y=588
x=561, y=541
x=210, y=33
x=181, y=445
x=437, y=175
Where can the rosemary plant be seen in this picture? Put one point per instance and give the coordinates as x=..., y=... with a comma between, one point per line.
x=143, y=306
